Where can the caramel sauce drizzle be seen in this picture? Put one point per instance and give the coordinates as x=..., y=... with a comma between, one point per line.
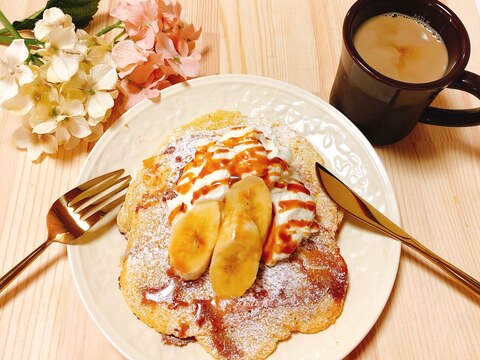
x=252, y=160
x=205, y=312
x=287, y=205
x=148, y=201
x=177, y=210
x=284, y=233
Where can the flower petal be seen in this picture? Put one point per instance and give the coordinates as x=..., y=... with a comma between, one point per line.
x=72, y=143
x=78, y=81
x=101, y=55
x=147, y=39
x=165, y=46
x=49, y=144
x=126, y=71
x=63, y=38
x=151, y=93
x=22, y=137
x=99, y=103
x=97, y=131
x=126, y=53
x=24, y=75
x=142, y=72
x=62, y=67
x=54, y=15
x=176, y=69
x=94, y=121
x=62, y=133
x=182, y=47
x=132, y=93
x=123, y=10
x=34, y=150
x=45, y=127
x=42, y=28
x=18, y=105
x=42, y=111
x=104, y=77
x=191, y=65
x=9, y=88
x=16, y=53
x=72, y=107
x=78, y=127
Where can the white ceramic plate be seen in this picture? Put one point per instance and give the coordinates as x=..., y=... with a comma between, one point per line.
x=371, y=258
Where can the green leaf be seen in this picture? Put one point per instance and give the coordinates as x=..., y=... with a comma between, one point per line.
x=81, y=11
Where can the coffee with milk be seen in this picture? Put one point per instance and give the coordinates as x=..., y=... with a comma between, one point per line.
x=402, y=48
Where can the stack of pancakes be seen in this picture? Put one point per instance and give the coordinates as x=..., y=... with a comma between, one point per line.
x=303, y=293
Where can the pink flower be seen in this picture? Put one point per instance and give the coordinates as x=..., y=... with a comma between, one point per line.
x=159, y=50
x=145, y=80
x=186, y=65
x=141, y=21
x=134, y=93
x=127, y=55
x=170, y=13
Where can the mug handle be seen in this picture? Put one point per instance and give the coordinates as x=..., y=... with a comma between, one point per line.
x=468, y=82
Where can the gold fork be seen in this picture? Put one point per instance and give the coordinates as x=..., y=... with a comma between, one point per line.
x=75, y=213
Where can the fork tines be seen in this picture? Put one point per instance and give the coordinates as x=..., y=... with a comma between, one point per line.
x=95, y=186
x=99, y=196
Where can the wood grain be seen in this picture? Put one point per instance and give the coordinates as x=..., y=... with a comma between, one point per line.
x=435, y=172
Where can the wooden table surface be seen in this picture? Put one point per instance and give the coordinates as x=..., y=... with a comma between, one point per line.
x=435, y=173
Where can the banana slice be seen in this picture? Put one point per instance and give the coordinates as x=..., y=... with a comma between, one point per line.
x=193, y=239
x=253, y=197
x=236, y=257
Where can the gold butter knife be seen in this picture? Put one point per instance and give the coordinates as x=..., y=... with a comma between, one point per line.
x=365, y=212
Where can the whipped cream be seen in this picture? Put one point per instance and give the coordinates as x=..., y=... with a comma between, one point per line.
x=294, y=218
x=241, y=152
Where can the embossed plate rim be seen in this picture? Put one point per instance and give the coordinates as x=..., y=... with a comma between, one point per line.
x=336, y=343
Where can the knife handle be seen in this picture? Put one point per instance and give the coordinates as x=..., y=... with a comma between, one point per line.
x=460, y=276
x=374, y=218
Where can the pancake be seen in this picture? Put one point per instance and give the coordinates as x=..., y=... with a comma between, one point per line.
x=303, y=293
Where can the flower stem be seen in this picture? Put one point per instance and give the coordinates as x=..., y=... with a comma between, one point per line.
x=116, y=25
x=8, y=25
x=9, y=39
x=119, y=36
x=36, y=60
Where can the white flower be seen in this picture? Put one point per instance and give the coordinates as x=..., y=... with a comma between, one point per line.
x=53, y=18
x=99, y=49
x=49, y=114
x=64, y=117
x=98, y=88
x=13, y=72
x=29, y=93
x=101, y=79
x=64, y=53
x=35, y=144
x=71, y=130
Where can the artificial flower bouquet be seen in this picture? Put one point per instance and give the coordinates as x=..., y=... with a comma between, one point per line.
x=65, y=81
